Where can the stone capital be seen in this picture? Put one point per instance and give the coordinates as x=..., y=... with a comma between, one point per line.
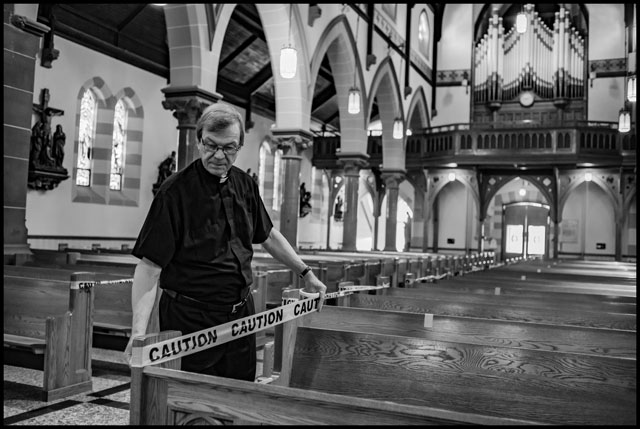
x=352, y=163
x=392, y=177
x=188, y=103
x=292, y=141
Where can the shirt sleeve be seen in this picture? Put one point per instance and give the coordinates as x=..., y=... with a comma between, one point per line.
x=262, y=221
x=158, y=236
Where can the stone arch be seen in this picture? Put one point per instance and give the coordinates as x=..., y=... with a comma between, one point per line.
x=420, y=107
x=385, y=84
x=501, y=181
x=191, y=61
x=466, y=178
x=598, y=181
x=338, y=43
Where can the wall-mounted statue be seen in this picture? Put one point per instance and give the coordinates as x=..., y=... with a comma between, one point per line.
x=165, y=169
x=305, y=201
x=46, y=154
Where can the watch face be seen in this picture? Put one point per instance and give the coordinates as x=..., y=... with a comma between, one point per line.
x=526, y=98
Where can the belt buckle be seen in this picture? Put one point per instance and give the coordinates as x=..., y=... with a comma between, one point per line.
x=236, y=306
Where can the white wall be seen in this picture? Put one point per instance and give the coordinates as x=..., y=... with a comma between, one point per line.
x=53, y=212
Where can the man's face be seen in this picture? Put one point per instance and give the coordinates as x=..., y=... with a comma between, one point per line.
x=214, y=149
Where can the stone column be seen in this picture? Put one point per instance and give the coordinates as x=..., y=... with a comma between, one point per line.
x=352, y=163
x=187, y=104
x=426, y=213
x=392, y=179
x=292, y=143
x=22, y=37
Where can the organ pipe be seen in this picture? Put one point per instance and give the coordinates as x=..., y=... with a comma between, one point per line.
x=548, y=61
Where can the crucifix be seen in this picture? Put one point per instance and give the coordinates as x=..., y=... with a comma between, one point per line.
x=41, y=144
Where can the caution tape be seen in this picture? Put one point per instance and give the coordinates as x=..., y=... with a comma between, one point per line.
x=204, y=339
x=87, y=285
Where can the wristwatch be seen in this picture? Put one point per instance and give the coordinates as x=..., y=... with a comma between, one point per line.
x=304, y=272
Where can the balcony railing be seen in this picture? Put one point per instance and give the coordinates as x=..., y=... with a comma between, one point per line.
x=581, y=141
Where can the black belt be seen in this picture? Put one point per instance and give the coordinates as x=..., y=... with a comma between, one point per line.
x=229, y=308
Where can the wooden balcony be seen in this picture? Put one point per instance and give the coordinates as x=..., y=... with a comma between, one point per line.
x=597, y=144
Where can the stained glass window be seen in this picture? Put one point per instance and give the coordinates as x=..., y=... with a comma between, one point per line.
x=276, y=180
x=88, y=109
x=423, y=35
x=118, y=146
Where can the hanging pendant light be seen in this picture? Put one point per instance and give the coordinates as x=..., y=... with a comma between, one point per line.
x=521, y=22
x=397, y=129
x=288, y=55
x=354, y=100
x=631, y=89
x=354, y=93
x=624, y=120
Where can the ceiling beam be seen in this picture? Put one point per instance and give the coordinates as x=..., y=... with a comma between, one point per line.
x=321, y=98
x=244, y=45
x=248, y=23
x=259, y=78
x=131, y=17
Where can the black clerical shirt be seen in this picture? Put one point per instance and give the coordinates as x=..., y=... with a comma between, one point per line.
x=187, y=233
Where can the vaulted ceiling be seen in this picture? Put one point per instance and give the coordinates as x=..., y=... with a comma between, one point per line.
x=137, y=34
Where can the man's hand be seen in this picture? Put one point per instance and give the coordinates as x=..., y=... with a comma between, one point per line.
x=313, y=285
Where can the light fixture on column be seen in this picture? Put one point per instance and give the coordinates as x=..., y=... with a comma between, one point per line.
x=521, y=22
x=465, y=81
x=354, y=92
x=397, y=128
x=631, y=89
x=288, y=55
x=624, y=120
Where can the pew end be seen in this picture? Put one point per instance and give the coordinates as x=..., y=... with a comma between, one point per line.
x=144, y=392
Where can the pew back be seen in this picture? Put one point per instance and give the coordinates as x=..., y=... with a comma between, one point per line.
x=48, y=326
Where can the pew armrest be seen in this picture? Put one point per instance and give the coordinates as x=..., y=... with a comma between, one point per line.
x=36, y=345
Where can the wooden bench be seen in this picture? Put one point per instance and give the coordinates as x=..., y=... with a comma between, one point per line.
x=549, y=374
x=532, y=385
x=113, y=314
x=163, y=395
x=547, y=301
x=567, y=317
x=542, y=284
x=530, y=336
x=483, y=285
x=48, y=326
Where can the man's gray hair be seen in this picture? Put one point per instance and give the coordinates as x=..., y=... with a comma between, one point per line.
x=217, y=117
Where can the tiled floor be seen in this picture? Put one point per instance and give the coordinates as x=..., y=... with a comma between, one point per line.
x=107, y=404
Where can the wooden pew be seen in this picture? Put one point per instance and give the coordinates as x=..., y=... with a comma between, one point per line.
x=547, y=301
x=113, y=315
x=204, y=399
x=540, y=284
x=546, y=387
x=454, y=289
x=48, y=326
x=530, y=336
x=568, y=317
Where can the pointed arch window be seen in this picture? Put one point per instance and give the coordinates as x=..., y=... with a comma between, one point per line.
x=277, y=175
x=118, y=145
x=88, y=110
x=423, y=35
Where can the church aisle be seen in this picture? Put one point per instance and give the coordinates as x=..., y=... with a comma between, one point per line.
x=107, y=404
